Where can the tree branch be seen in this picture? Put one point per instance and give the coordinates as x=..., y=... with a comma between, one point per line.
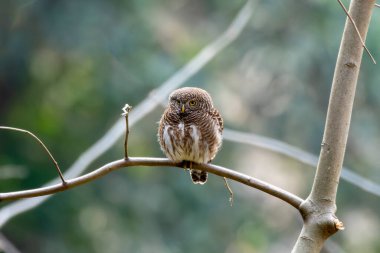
x=341, y=102
x=142, y=109
x=275, y=191
x=357, y=31
x=318, y=210
x=6, y=246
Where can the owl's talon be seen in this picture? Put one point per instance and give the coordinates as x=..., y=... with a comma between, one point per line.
x=187, y=165
x=184, y=165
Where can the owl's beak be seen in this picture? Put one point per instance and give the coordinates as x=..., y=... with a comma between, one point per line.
x=183, y=109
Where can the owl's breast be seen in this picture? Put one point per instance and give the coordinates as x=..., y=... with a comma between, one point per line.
x=185, y=142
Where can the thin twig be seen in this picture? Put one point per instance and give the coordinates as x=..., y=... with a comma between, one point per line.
x=377, y=5
x=126, y=109
x=275, y=191
x=231, y=199
x=42, y=145
x=357, y=31
x=142, y=109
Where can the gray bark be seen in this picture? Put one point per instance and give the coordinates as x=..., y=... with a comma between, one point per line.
x=318, y=210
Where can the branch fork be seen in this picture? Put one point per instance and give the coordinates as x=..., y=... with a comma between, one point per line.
x=319, y=209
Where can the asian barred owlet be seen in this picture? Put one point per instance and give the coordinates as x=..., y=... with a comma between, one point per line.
x=191, y=129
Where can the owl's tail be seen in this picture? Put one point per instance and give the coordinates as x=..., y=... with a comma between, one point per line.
x=198, y=176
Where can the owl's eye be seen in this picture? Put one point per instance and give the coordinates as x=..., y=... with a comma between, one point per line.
x=192, y=102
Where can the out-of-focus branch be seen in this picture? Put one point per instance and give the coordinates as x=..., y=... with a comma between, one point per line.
x=288, y=197
x=141, y=110
x=10, y=171
x=6, y=246
x=299, y=155
x=42, y=145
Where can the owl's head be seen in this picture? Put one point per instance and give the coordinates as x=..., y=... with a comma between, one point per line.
x=189, y=99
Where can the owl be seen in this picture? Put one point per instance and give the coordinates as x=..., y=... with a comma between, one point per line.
x=191, y=129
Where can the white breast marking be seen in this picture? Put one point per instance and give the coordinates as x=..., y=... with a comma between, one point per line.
x=196, y=135
x=168, y=141
x=181, y=128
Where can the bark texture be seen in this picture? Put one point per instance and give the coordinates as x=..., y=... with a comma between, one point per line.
x=318, y=210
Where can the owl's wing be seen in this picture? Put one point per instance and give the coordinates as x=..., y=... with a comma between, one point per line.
x=218, y=118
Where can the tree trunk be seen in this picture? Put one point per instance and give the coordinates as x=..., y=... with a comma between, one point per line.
x=318, y=210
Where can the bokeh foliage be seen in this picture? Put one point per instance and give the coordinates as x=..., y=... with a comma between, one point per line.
x=67, y=67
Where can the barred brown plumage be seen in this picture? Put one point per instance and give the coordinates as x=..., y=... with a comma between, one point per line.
x=191, y=129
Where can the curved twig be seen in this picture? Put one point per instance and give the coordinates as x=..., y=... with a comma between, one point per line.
x=231, y=199
x=147, y=161
x=42, y=145
x=357, y=31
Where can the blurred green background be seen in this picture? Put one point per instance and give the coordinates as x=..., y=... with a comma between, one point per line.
x=67, y=67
